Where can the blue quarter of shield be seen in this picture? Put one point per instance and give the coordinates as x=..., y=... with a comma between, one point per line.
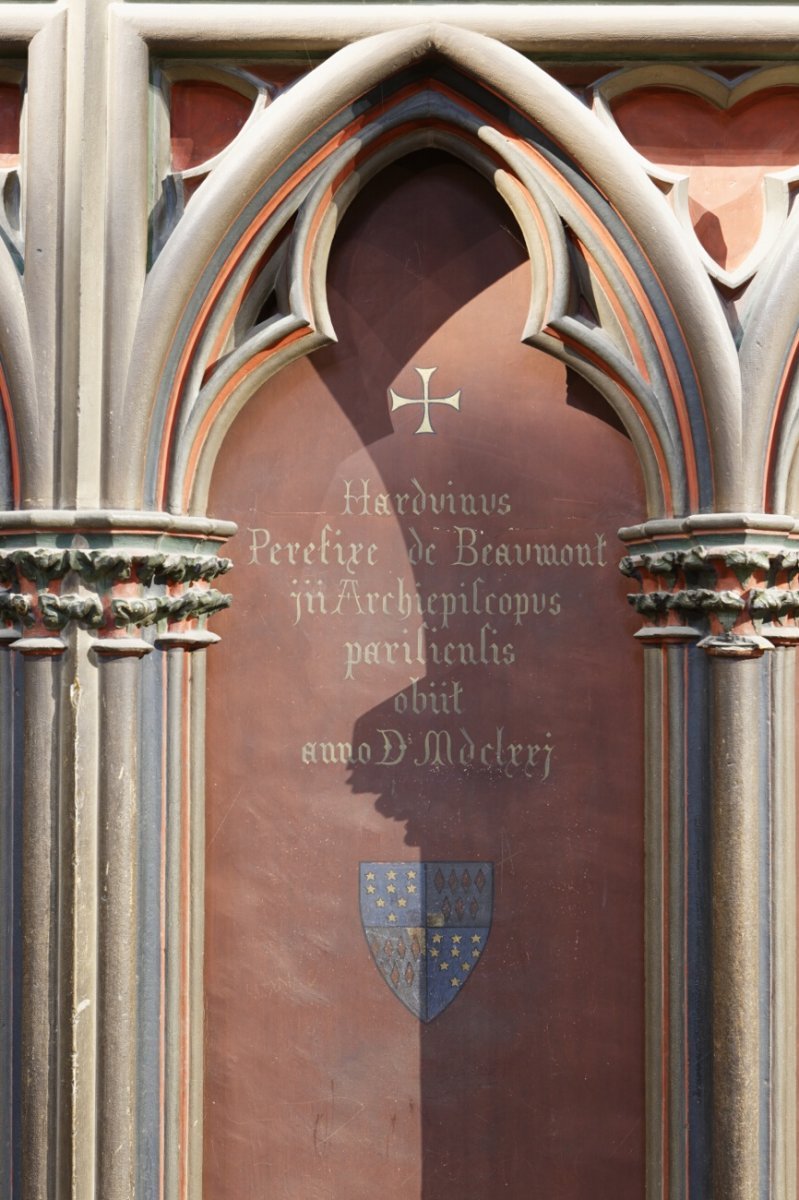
x=426, y=925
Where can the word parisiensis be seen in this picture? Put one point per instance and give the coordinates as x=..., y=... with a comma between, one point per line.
x=429, y=651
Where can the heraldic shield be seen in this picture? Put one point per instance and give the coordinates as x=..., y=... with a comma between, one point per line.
x=426, y=924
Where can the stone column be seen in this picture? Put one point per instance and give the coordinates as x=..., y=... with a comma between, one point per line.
x=725, y=585
x=86, y=599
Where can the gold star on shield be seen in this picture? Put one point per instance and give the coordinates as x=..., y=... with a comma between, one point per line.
x=475, y=953
x=465, y=967
x=444, y=966
x=380, y=903
x=455, y=982
x=438, y=937
x=455, y=952
x=411, y=887
x=391, y=874
x=402, y=902
x=370, y=888
x=456, y=937
x=476, y=938
x=391, y=888
x=411, y=874
x=392, y=916
x=433, y=952
x=370, y=874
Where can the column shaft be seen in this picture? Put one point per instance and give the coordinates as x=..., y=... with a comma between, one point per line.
x=736, y=883
x=117, y=938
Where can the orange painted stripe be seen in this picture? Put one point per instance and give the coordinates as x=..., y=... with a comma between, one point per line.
x=634, y=404
x=13, y=447
x=216, y=349
x=613, y=303
x=783, y=392
x=221, y=399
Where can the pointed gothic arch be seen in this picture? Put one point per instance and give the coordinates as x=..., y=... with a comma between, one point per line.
x=655, y=343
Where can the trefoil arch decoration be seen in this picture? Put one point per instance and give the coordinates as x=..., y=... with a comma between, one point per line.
x=723, y=95
x=173, y=182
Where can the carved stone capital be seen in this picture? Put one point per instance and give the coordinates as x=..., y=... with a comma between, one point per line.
x=92, y=572
x=729, y=582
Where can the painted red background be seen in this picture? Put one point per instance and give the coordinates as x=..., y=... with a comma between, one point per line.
x=319, y=1083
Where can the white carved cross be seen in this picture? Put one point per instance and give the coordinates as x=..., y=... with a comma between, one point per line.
x=426, y=399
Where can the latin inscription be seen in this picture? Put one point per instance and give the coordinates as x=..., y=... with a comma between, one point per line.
x=332, y=578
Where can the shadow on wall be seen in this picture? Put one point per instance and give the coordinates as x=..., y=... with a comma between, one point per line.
x=495, y=689
x=507, y=541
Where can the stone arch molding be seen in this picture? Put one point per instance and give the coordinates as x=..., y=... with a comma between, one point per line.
x=616, y=292
x=769, y=357
x=21, y=450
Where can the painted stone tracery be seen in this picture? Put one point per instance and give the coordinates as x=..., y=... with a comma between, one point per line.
x=621, y=349
x=233, y=98
x=12, y=99
x=722, y=150
x=184, y=331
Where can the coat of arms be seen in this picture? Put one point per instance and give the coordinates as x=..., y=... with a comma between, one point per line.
x=426, y=924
